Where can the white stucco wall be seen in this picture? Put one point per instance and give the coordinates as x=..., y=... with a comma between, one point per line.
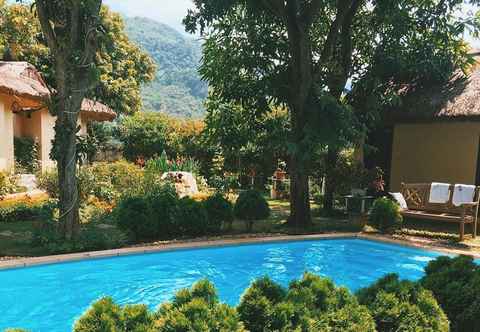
x=6, y=136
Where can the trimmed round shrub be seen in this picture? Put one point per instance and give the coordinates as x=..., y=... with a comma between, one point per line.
x=310, y=304
x=403, y=306
x=385, y=215
x=197, y=309
x=455, y=282
x=251, y=206
x=105, y=315
x=219, y=211
x=150, y=216
x=192, y=217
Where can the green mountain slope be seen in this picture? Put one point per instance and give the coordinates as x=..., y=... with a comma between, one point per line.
x=177, y=89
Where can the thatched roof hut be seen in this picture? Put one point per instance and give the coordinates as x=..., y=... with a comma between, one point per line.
x=456, y=100
x=22, y=81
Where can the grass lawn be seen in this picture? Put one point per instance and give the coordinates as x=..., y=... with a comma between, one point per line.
x=15, y=238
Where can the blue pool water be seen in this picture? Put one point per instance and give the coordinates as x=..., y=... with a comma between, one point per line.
x=50, y=298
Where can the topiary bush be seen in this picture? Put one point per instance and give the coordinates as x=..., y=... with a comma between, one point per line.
x=310, y=304
x=455, y=282
x=219, y=211
x=149, y=216
x=105, y=315
x=192, y=218
x=251, y=206
x=197, y=309
x=403, y=306
x=385, y=215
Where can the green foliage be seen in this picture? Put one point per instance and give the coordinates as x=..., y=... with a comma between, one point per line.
x=455, y=282
x=8, y=183
x=162, y=164
x=26, y=155
x=246, y=140
x=42, y=211
x=385, y=215
x=192, y=218
x=251, y=205
x=105, y=315
x=219, y=211
x=47, y=235
x=310, y=304
x=151, y=215
x=144, y=135
x=197, y=310
x=178, y=89
x=105, y=181
x=122, y=66
x=403, y=306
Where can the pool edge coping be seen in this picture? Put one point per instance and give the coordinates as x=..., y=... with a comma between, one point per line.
x=64, y=258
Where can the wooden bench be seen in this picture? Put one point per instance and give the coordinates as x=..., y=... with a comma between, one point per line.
x=417, y=196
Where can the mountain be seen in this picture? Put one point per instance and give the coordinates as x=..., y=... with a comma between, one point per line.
x=177, y=89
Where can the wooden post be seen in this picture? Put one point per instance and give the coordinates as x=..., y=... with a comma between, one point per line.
x=462, y=230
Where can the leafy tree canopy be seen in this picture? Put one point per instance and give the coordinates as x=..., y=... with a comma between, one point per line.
x=122, y=66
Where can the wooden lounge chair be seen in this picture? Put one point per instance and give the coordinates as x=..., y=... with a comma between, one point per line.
x=417, y=197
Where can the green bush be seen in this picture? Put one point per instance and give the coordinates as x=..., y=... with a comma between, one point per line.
x=310, y=304
x=43, y=210
x=26, y=155
x=105, y=315
x=144, y=135
x=250, y=206
x=219, y=211
x=192, y=218
x=455, y=282
x=197, y=310
x=105, y=181
x=162, y=164
x=151, y=216
x=8, y=184
x=403, y=306
x=385, y=215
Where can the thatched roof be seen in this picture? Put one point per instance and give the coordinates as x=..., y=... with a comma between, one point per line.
x=23, y=81
x=457, y=99
x=97, y=111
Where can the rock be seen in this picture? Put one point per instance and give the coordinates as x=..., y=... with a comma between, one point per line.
x=185, y=183
x=7, y=234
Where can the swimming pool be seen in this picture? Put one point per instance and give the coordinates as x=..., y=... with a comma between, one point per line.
x=51, y=297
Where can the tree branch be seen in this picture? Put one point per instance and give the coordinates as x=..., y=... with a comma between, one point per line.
x=46, y=26
x=312, y=10
x=277, y=7
x=342, y=9
x=74, y=23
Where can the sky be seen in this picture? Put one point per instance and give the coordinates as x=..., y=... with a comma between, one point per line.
x=172, y=12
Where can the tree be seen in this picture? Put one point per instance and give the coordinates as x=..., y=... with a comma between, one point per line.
x=302, y=54
x=121, y=65
x=245, y=140
x=278, y=65
x=91, y=58
x=72, y=30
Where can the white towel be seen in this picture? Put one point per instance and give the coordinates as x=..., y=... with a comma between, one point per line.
x=400, y=200
x=463, y=194
x=439, y=193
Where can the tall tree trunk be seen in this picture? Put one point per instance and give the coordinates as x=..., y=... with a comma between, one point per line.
x=300, y=216
x=331, y=164
x=301, y=78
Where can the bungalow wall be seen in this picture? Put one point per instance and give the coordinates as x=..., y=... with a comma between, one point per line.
x=435, y=152
x=6, y=135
